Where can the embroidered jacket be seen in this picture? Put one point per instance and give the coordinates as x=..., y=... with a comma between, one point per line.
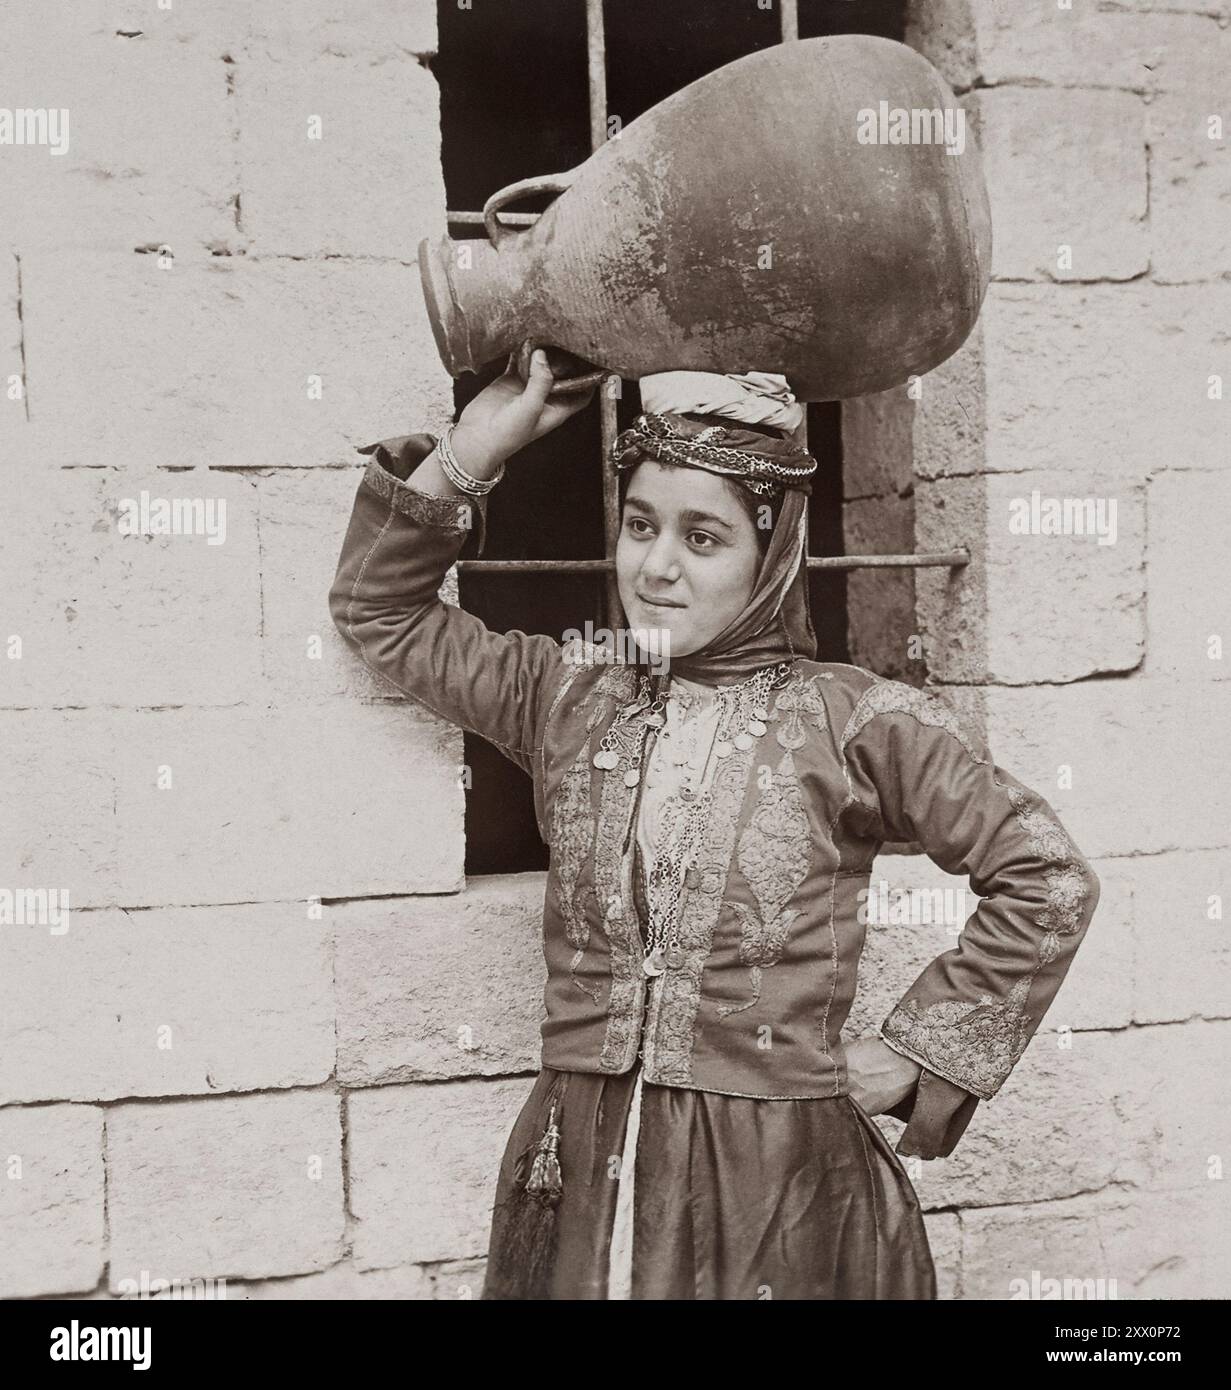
x=770, y=924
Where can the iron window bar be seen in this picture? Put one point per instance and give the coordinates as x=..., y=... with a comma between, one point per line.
x=935, y=559
x=475, y=219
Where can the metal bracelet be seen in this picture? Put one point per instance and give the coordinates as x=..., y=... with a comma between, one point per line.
x=457, y=475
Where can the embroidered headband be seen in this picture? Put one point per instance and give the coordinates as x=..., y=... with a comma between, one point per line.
x=761, y=460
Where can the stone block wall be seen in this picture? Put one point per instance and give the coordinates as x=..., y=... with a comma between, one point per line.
x=1093, y=662
x=211, y=1072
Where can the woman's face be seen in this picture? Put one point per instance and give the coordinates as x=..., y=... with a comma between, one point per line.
x=687, y=556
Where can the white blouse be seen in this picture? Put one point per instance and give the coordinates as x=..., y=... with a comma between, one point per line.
x=681, y=753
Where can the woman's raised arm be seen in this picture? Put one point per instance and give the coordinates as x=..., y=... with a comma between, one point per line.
x=404, y=534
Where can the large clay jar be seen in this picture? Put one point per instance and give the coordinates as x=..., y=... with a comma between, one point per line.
x=761, y=219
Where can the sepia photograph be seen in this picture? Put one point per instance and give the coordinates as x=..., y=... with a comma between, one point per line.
x=614, y=680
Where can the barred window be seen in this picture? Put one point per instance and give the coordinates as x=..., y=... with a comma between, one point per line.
x=531, y=89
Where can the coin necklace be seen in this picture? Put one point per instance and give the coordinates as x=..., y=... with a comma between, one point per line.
x=741, y=722
x=744, y=712
x=689, y=716
x=626, y=739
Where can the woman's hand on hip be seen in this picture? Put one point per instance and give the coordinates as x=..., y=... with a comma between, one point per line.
x=507, y=415
x=878, y=1077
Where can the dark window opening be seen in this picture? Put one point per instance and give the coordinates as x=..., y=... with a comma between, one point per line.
x=514, y=103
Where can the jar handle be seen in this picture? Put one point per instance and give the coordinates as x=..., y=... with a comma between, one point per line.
x=523, y=188
x=519, y=360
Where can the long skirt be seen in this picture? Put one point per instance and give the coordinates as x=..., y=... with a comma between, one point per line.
x=671, y=1193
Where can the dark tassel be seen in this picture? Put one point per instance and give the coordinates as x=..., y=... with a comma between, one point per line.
x=525, y=1223
x=546, y=1183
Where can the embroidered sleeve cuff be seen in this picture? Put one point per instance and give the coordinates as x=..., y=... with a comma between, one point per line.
x=974, y=1046
x=387, y=472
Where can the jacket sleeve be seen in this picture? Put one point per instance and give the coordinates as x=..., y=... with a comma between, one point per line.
x=917, y=773
x=385, y=602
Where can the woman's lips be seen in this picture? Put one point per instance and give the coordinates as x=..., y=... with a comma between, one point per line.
x=658, y=602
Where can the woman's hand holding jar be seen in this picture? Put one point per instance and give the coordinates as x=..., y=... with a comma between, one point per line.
x=503, y=418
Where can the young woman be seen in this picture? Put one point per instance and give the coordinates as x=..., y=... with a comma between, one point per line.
x=700, y=1129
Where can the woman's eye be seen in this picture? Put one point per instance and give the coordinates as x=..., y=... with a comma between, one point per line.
x=636, y=521
x=702, y=540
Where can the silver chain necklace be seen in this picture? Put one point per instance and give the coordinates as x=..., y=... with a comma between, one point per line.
x=626, y=736
x=741, y=721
